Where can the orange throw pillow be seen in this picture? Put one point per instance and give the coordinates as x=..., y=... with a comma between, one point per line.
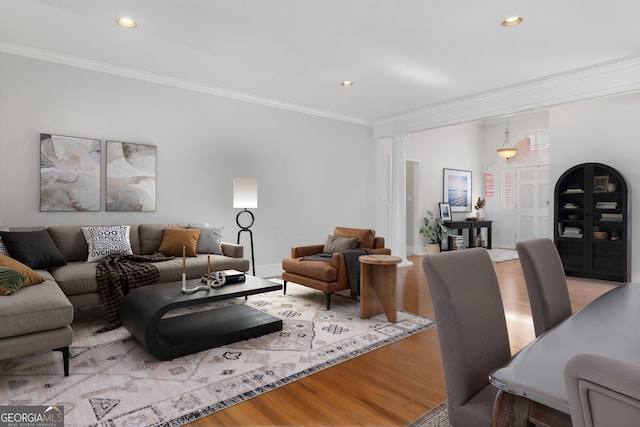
x=173, y=239
x=32, y=277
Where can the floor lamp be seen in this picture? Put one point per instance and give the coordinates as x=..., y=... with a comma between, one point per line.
x=245, y=196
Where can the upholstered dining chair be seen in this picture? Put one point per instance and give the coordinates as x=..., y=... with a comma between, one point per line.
x=602, y=392
x=471, y=328
x=546, y=283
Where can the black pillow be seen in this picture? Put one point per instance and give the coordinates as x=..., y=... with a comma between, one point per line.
x=33, y=248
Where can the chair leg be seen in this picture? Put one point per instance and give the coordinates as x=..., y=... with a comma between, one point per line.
x=284, y=287
x=328, y=294
x=65, y=359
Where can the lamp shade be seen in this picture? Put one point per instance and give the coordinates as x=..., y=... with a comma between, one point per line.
x=245, y=193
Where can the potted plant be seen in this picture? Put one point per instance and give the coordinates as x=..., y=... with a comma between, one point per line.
x=435, y=232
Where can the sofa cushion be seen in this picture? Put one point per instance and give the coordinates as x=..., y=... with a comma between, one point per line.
x=175, y=240
x=31, y=277
x=3, y=248
x=34, y=309
x=151, y=236
x=107, y=240
x=134, y=238
x=339, y=244
x=320, y=270
x=35, y=249
x=210, y=240
x=10, y=280
x=77, y=277
x=70, y=241
x=365, y=235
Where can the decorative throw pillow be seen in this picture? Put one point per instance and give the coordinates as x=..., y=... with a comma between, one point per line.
x=366, y=236
x=173, y=239
x=31, y=277
x=103, y=241
x=210, y=240
x=3, y=248
x=10, y=280
x=339, y=244
x=35, y=249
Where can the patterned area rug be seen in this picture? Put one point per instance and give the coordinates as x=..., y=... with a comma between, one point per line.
x=436, y=417
x=114, y=382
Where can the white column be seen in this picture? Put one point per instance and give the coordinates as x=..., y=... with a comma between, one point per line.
x=398, y=216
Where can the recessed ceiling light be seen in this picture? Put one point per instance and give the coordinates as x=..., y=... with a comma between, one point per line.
x=511, y=21
x=346, y=83
x=127, y=22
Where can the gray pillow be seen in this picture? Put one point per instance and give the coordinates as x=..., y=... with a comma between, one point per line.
x=210, y=240
x=339, y=244
x=3, y=248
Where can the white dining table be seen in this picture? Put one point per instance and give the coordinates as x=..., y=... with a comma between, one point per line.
x=608, y=326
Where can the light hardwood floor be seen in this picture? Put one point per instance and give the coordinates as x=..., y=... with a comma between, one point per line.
x=396, y=384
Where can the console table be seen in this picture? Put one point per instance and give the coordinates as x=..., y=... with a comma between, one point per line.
x=459, y=226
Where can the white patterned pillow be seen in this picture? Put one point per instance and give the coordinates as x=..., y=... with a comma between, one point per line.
x=3, y=249
x=103, y=241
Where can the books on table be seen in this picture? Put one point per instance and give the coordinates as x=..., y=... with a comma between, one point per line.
x=230, y=276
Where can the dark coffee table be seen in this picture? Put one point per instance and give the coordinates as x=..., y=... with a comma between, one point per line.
x=142, y=310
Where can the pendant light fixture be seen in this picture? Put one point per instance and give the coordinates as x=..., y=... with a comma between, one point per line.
x=507, y=150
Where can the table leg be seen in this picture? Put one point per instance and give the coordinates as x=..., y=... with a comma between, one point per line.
x=510, y=410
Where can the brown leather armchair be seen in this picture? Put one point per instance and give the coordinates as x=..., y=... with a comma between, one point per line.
x=328, y=277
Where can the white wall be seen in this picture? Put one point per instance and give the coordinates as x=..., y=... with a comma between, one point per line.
x=313, y=173
x=453, y=147
x=605, y=131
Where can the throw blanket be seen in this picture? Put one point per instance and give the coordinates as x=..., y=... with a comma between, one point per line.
x=351, y=259
x=117, y=275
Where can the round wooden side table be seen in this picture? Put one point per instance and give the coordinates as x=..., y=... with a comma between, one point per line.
x=378, y=281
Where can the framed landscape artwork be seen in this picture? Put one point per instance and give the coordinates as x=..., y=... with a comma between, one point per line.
x=457, y=189
x=69, y=174
x=131, y=177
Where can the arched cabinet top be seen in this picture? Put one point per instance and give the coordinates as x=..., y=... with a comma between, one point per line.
x=588, y=177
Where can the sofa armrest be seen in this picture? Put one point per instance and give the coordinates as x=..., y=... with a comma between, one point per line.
x=378, y=243
x=308, y=250
x=233, y=250
x=381, y=251
x=337, y=260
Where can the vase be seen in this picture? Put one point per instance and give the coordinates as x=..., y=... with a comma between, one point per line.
x=479, y=214
x=433, y=248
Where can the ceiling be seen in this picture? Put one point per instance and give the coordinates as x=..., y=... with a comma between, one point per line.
x=403, y=55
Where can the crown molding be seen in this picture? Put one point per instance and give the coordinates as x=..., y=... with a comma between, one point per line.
x=73, y=61
x=607, y=79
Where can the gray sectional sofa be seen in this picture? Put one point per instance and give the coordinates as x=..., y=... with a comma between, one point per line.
x=77, y=278
x=37, y=318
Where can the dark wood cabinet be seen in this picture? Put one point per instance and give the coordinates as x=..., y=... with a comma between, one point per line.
x=592, y=217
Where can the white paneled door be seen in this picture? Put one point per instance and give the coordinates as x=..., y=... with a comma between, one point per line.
x=532, y=202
